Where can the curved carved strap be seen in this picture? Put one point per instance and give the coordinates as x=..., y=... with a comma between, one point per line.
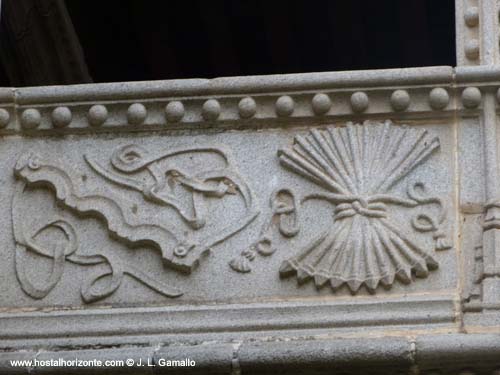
x=287, y=211
x=57, y=255
x=93, y=289
x=375, y=206
x=426, y=223
x=67, y=251
x=150, y=282
x=200, y=187
x=132, y=158
x=41, y=288
x=32, y=171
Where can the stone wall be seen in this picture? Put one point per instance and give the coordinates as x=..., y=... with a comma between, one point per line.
x=311, y=223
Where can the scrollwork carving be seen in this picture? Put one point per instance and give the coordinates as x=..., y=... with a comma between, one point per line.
x=185, y=255
x=158, y=175
x=67, y=251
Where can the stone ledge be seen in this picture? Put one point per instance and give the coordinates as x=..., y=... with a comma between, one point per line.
x=388, y=355
x=232, y=102
x=118, y=325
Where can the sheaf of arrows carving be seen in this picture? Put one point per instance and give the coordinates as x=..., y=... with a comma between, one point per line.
x=358, y=165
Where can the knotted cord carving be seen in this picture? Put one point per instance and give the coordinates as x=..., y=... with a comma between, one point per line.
x=67, y=251
x=284, y=207
x=358, y=165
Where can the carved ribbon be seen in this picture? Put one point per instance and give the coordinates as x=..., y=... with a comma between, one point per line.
x=133, y=159
x=375, y=206
x=66, y=250
x=284, y=207
x=215, y=182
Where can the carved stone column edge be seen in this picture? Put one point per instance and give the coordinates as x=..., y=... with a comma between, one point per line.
x=477, y=32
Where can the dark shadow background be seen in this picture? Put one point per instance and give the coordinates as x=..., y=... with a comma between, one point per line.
x=127, y=40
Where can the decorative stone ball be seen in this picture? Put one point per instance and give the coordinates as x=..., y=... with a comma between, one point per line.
x=471, y=16
x=285, y=106
x=472, y=49
x=174, y=111
x=321, y=104
x=439, y=98
x=359, y=102
x=211, y=110
x=400, y=100
x=136, y=114
x=247, y=107
x=30, y=118
x=4, y=118
x=471, y=97
x=98, y=114
x=61, y=117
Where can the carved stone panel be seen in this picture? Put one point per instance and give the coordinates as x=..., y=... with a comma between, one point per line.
x=357, y=206
x=242, y=209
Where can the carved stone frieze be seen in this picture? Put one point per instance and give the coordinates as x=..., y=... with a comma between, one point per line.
x=281, y=189
x=355, y=169
x=159, y=183
x=173, y=214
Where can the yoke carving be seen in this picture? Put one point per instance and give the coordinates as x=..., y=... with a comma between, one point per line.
x=161, y=174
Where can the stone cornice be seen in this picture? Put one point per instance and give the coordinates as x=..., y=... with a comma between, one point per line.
x=439, y=104
x=245, y=101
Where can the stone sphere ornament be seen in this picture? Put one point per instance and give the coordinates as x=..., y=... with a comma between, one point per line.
x=438, y=98
x=321, y=104
x=98, y=114
x=247, y=107
x=61, y=117
x=359, y=102
x=136, y=114
x=400, y=100
x=471, y=97
x=211, y=110
x=30, y=118
x=471, y=16
x=285, y=106
x=4, y=118
x=174, y=111
x=472, y=49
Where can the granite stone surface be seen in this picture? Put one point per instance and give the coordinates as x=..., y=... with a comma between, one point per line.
x=311, y=223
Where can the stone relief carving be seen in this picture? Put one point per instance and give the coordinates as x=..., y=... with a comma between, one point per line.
x=67, y=250
x=163, y=174
x=160, y=175
x=358, y=166
x=284, y=216
x=132, y=159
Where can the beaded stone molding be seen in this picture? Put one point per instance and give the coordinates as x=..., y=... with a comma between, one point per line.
x=228, y=102
x=255, y=209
